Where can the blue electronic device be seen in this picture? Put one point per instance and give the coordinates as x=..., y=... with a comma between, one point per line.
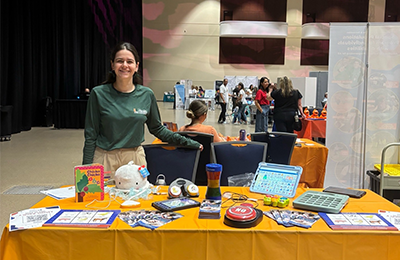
x=276, y=179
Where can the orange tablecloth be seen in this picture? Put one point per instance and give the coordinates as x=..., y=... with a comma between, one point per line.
x=193, y=238
x=312, y=156
x=312, y=128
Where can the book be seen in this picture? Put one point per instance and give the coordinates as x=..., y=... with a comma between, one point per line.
x=31, y=218
x=83, y=218
x=89, y=182
x=151, y=219
x=210, y=209
x=357, y=221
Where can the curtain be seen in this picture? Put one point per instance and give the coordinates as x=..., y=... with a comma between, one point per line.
x=56, y=49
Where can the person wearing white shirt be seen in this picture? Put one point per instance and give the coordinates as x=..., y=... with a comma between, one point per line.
x=242, y=104
x=223, y=96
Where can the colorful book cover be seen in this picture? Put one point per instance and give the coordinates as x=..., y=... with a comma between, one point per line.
x=89, y=182
x=83, y=218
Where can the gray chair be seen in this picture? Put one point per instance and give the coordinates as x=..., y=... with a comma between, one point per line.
x=172, y=161
x=238, y=157
x=280, y=145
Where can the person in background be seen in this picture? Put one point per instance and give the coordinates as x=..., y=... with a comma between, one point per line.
x=85, y=94
x=241, y=103
x=192, y=91
x=249, y=91
x=325, y=100
x=197, y=112
x=287, y=103
x=116, y=114
x=262, y=104
x=234, y=97
x=201, y=92
x=254, y=92
x=223, y=99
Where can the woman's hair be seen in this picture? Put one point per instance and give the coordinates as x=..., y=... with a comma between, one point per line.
x=111, y=78
x=262, y=81
x=196, y=109
x=286, y=86
x=241, y=85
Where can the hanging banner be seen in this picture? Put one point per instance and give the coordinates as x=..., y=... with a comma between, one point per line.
x=346, y=105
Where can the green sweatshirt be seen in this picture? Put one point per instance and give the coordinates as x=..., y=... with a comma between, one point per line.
x=116, y=120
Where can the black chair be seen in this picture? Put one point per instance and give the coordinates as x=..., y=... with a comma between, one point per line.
x=205, y=155
x=238, y=157
x=280, y=145
x=172, y=161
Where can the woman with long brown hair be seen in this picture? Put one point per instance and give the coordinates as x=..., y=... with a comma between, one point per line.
x=116, y=114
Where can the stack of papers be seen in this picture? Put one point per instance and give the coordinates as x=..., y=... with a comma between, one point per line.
x=60, y=193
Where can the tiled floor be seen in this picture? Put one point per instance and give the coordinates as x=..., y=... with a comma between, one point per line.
x=46, y=157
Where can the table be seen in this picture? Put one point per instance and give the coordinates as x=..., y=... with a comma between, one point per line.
x=69, y=113
x=312, y=156
x=312, y=128
x=169, y=98
x=193, y=238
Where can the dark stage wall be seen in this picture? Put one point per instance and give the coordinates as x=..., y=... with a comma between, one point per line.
x=58, y=48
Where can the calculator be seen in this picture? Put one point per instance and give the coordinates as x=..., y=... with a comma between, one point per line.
x=321, y=201
x=276, y=179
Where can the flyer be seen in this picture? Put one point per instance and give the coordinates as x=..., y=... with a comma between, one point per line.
x=31, y=218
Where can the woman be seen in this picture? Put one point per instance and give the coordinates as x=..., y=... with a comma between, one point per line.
x=262, y=104
x=241, y=104
x=287, y=103
x=198, y=113
x=116, y=113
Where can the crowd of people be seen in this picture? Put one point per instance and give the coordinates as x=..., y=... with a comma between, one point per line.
x=286, y=100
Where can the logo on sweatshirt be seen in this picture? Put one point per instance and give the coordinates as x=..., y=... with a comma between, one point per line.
x=140, y=111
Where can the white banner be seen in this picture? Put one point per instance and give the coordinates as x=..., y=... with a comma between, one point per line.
x=383, y=118
x=346, y=113
x=363, y=104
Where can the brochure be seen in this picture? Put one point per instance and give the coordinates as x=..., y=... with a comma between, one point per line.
x=357, y=221
x=31, y=218
x=290, y=218
x=210, y=209
x=148, y=218
x=83, y=218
